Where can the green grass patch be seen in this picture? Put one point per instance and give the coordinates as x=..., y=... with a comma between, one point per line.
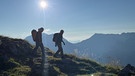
x=18, y=71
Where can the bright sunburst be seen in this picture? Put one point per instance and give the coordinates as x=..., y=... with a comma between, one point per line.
x=43, y=4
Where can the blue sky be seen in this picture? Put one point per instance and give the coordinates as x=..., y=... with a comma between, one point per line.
x=79, y=18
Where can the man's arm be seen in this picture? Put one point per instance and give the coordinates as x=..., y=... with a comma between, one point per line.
x=63, y=42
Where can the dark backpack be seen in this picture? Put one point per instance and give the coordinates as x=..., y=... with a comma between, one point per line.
x=55, y=37
x=34, y=33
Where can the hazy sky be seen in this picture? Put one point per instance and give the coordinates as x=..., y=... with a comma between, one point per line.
x=79, y=18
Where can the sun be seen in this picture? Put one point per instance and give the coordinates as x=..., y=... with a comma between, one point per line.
x=43, y=4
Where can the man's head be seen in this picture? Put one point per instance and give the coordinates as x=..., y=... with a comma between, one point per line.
x=41, y=29
x=61, y=31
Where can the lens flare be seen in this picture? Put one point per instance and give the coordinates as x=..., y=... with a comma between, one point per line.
x=43, y=4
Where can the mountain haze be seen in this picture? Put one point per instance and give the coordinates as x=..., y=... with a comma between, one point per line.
x=17, y=59
x=105, y=47
x=47, y=41
x=101, y=47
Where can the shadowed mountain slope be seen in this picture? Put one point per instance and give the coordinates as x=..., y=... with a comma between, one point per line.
x=105, y=47
x=100, y=47
x=17, y=59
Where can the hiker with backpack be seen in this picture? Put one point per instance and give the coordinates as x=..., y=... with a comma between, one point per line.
x=37, y=37
x=58, y=39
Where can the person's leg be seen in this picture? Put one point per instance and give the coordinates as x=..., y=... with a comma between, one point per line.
x=35, y=49
x=57, y=52
x=42, y=49
x=43, y=54
x=60, y=49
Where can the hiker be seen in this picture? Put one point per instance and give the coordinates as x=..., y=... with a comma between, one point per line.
x=37, y=37
x=38, y=40
x=58, y=39
x=128, y=70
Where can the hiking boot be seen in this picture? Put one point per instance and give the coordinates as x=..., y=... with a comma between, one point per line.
x=62, y=57
x=54, y=56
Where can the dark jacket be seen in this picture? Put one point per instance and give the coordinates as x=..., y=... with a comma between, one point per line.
x=39, y=36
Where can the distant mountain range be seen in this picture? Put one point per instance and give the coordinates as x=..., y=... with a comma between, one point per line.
x=47, y=41
x=105, y=48
x=17, y=59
